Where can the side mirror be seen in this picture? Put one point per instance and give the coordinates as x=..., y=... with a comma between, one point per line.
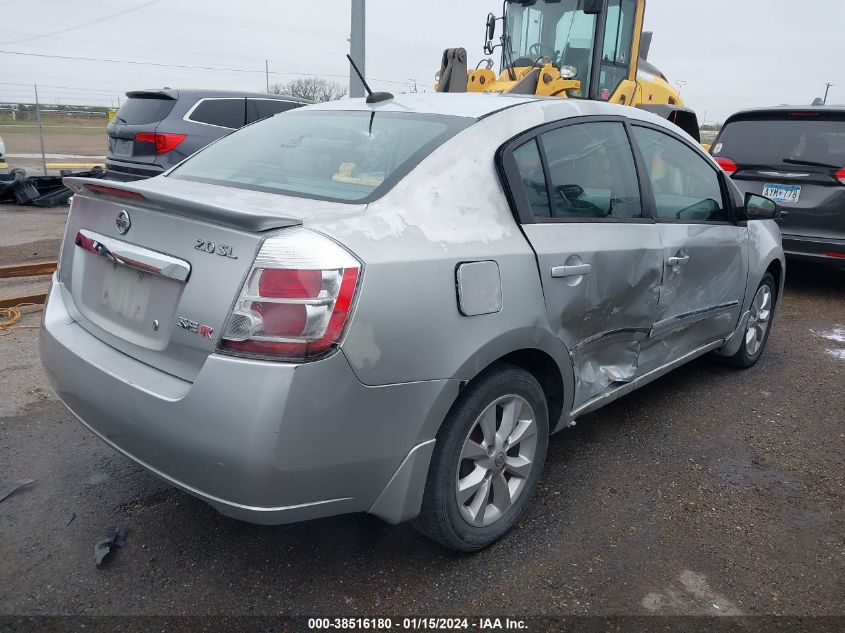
x=489, y=34
x=760, y=208
x=594, y=7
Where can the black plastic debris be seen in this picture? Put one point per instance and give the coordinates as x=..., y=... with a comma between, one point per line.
x=40, y=191
x=115, y=537
x=5, y=491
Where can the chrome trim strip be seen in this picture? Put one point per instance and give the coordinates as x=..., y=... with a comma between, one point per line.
x=632, y=332
x=614, y=394
x=681, y=320
x=133, y=256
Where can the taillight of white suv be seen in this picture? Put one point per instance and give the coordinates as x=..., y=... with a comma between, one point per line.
x=296, y=300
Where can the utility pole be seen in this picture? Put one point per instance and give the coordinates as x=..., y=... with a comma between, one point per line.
x=267, y=73
x=826, y=90
x=357, y=47
x=40, y=130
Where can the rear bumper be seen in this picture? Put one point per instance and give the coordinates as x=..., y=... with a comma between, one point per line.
x=125, y=171
x=814, y=249
x=263, y=442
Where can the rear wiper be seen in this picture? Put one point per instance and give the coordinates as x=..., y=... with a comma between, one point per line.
x=800, y=161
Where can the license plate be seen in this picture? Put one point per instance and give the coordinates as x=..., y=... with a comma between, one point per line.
x=125, y=293
x=782, y=193
x=123, y=146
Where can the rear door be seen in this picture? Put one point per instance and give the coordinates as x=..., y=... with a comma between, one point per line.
x=140, y=113
x=793, y=158
x=577, y=192
x=704, y=253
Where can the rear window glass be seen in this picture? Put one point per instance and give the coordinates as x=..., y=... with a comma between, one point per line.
x=771, y=140
x=328, y=155
x=143, y=110
x=222, y=112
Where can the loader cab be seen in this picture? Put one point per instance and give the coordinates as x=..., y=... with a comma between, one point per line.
x=596, y=38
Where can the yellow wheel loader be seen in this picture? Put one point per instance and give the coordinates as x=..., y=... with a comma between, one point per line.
x=576, y=49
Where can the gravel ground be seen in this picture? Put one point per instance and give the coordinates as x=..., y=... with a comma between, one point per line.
x=711, y=491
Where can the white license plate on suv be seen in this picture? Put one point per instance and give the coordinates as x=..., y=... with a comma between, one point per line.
x=782, y=193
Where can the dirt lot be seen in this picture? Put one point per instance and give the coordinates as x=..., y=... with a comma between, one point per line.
x=711, y=491
x=83, y=142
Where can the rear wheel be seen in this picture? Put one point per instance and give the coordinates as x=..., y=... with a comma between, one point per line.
x=759, y=324
x=487, y=460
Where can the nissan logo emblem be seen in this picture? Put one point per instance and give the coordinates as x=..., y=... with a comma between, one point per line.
x=123, y=223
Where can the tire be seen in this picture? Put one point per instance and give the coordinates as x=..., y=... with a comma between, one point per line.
x=467, y=452
x=763, y=303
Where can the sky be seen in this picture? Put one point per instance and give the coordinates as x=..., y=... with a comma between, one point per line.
x=731, y=54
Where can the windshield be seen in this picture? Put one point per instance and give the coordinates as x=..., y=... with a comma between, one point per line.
x=328, y=155
x=784, y=139
x=559, y=31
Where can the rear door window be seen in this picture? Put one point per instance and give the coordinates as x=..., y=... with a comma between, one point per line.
x=257, y=109
x=144, y=110
x=783, y=140
x=686, y=186
x=220, y=112
x=592, y=172
x=323, y=154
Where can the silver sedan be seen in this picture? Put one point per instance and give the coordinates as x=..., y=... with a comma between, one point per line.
x=389, y=307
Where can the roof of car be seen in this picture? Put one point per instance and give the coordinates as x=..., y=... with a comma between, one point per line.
x=826, y=109
x=478, y=105
x=200, y=93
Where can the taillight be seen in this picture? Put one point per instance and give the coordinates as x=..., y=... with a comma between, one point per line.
x=727, y=165
x=840, y=175
x=113, y=191
x=296, y=300
x=163, y=142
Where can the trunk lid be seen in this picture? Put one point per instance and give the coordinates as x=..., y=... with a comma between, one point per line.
x=155, y=274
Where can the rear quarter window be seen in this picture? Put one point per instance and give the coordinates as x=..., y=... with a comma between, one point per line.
x=342, y=156
x=257, y=109
x=144, y=110
x=220, y=112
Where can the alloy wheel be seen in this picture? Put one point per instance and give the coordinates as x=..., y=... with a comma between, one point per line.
x=496, y=460
x=758, y=322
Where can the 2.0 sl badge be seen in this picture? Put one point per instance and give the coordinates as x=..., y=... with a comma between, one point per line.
x=224, y=250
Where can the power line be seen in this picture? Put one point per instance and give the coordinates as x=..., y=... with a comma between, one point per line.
x=188, y=67
x=84, y=24
x=74, y=88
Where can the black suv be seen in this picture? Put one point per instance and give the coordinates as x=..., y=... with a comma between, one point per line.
x=155, y=129
x=796, y=157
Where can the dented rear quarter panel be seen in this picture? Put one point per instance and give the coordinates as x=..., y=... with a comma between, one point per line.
x=449, y=210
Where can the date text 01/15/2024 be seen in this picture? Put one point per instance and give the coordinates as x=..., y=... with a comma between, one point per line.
x=417, y=624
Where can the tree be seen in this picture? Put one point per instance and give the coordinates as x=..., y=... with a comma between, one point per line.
x=312, y=88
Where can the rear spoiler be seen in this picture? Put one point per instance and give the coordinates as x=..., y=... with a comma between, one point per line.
x=164, y=93
x=218, y=213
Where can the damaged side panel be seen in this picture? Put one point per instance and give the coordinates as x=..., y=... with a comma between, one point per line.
x=601, y=283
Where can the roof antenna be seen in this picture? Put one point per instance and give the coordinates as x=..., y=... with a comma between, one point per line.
x=372, y=97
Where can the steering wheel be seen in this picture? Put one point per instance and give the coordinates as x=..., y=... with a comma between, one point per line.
x=542, y=50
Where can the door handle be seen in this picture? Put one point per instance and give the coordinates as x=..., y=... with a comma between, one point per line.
x=571, y=271
x=678, y=261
